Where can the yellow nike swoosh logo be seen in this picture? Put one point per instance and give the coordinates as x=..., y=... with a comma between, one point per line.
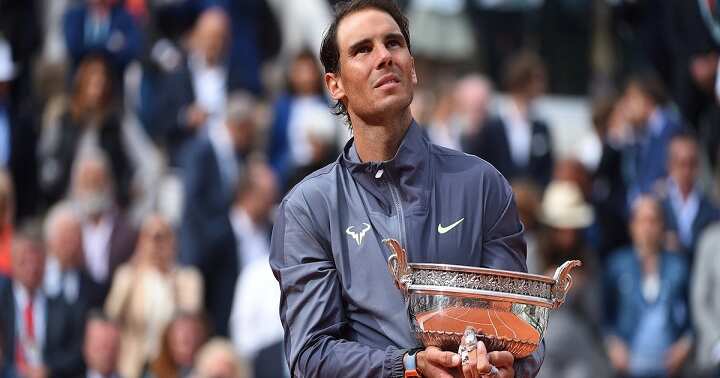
x=442, y=230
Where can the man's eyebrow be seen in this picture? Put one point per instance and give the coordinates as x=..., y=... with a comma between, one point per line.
x=358, y=44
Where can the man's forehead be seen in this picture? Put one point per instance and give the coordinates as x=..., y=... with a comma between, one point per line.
x=365, y=24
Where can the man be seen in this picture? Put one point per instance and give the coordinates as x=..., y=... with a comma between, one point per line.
x=40, y=336
x=705, y=302
x=65, y=274
x=688, y=210
x=645, y=288
x=342, y=314
x=108, y=240
x=517, y=143
x=102, y=347
x=211, y=171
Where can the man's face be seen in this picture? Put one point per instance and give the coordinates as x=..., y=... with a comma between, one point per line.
x=646, y=225
x=377, y=72
x=66, y=242
x=102, y=346
x=28, y=264
x=683, y=163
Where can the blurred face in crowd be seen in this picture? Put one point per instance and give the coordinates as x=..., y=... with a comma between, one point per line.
x=646, y=225
x=305, y=76
x=210, y=35
x=683, y=163
x=260, y=198
x=102, y=346
x=242, y=133
x=91, y=192
x=92, y=84
x=376, y=71
x=64, y=240
x=565, y=240
x=186, y=335
x=638, y=105
x=472, y=99
x=28, y=263
x=157, y=243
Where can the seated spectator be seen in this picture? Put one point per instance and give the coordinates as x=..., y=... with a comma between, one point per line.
x=108, y=239
x=705, y=302
x=147, y=291
x=102, y=347
x=65, y=274
x=7, y=204
x=517, y=143
x=39, y=336
x=652, y=123
x=645, y=289
x=688, y=210
x=183, y=338
x=102, y=27
x=527, y=199
x=303, y=134
x=211, y=172
x=217, y=359
x=90, y=120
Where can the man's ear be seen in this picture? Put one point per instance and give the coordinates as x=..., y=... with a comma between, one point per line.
x=412, y=73
x=334, y=86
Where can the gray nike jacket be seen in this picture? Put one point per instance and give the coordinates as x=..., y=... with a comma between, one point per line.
x=342, y=314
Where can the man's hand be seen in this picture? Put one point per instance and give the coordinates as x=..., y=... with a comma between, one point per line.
x=37, y=372
x=432, y=362
x=677, y=354
x=618, y=354
x=195, y=116
x=483, y=364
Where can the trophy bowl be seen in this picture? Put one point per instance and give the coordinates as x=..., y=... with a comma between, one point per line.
x=508, y=310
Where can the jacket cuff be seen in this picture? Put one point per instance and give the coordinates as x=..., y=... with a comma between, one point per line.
x=394, y=362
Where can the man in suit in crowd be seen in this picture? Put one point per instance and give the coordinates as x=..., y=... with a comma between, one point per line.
x=211, y=170
x=108, y=239
x=517, y=143
x=41, y=336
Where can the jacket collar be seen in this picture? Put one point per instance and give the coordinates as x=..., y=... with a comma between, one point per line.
x=409, y=169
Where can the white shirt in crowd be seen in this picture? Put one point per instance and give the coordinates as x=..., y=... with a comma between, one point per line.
x=210, y=85
x=32, y=351
x=519, y=132
x=685, y=212
x=252, y=241
x=58, y=283
x=96, y=245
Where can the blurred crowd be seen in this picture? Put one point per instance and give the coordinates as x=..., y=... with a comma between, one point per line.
x=144, y=145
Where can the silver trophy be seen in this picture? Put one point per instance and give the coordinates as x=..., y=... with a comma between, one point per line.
x=507, y=310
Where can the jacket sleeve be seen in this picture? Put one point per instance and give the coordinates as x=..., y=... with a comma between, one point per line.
x=312, y=311
x=504, y=248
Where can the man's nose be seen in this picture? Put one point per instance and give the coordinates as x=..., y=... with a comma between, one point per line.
x=384, y=57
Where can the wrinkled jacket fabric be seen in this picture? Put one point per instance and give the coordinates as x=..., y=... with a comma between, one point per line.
x=342, y=314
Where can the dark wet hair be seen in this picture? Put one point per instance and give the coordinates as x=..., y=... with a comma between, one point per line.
x=330, y=51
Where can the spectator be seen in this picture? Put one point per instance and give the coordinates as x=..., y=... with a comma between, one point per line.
x=91, y=120
x=516, y=143
x=108, y=239
x=210, y=177
x=102, y=347
x=303, y=132
x=527, y=198
x=147, y=291
x=65, y=274
x=6, y=223
x=645, y=289
x=652, y=124
x=705, y=302
x=217, y=359
x=687, y=209
x=40, y=336
x=193, y=98
x=473, y=95
x=565, y=214
x=102, y=27
x=183, y=338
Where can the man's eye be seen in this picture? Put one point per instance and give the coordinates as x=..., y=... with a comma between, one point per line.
x=394, y=43
x=363, y=50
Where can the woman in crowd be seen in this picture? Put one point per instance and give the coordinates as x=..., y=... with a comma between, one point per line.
x=147, y=292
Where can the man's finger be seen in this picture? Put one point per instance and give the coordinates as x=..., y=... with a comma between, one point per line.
x=469, y=363
x=501, y=359
x=483, y=362
x=447, y=359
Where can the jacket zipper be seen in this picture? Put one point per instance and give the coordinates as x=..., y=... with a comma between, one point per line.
x=398, y=207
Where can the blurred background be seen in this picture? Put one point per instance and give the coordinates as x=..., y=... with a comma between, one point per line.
x=144, y=145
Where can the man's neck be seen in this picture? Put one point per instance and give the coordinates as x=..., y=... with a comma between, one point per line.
x=380, y=142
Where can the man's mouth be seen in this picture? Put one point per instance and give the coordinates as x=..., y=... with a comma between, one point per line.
x=387, y=80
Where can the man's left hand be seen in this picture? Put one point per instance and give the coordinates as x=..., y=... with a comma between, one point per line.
x=677, y=354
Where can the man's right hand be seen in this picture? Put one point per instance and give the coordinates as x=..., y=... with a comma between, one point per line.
x=618, y=354
x=433, y=362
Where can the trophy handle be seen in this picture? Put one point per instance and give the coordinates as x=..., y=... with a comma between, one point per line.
x=563, y=281
x=398, y=265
